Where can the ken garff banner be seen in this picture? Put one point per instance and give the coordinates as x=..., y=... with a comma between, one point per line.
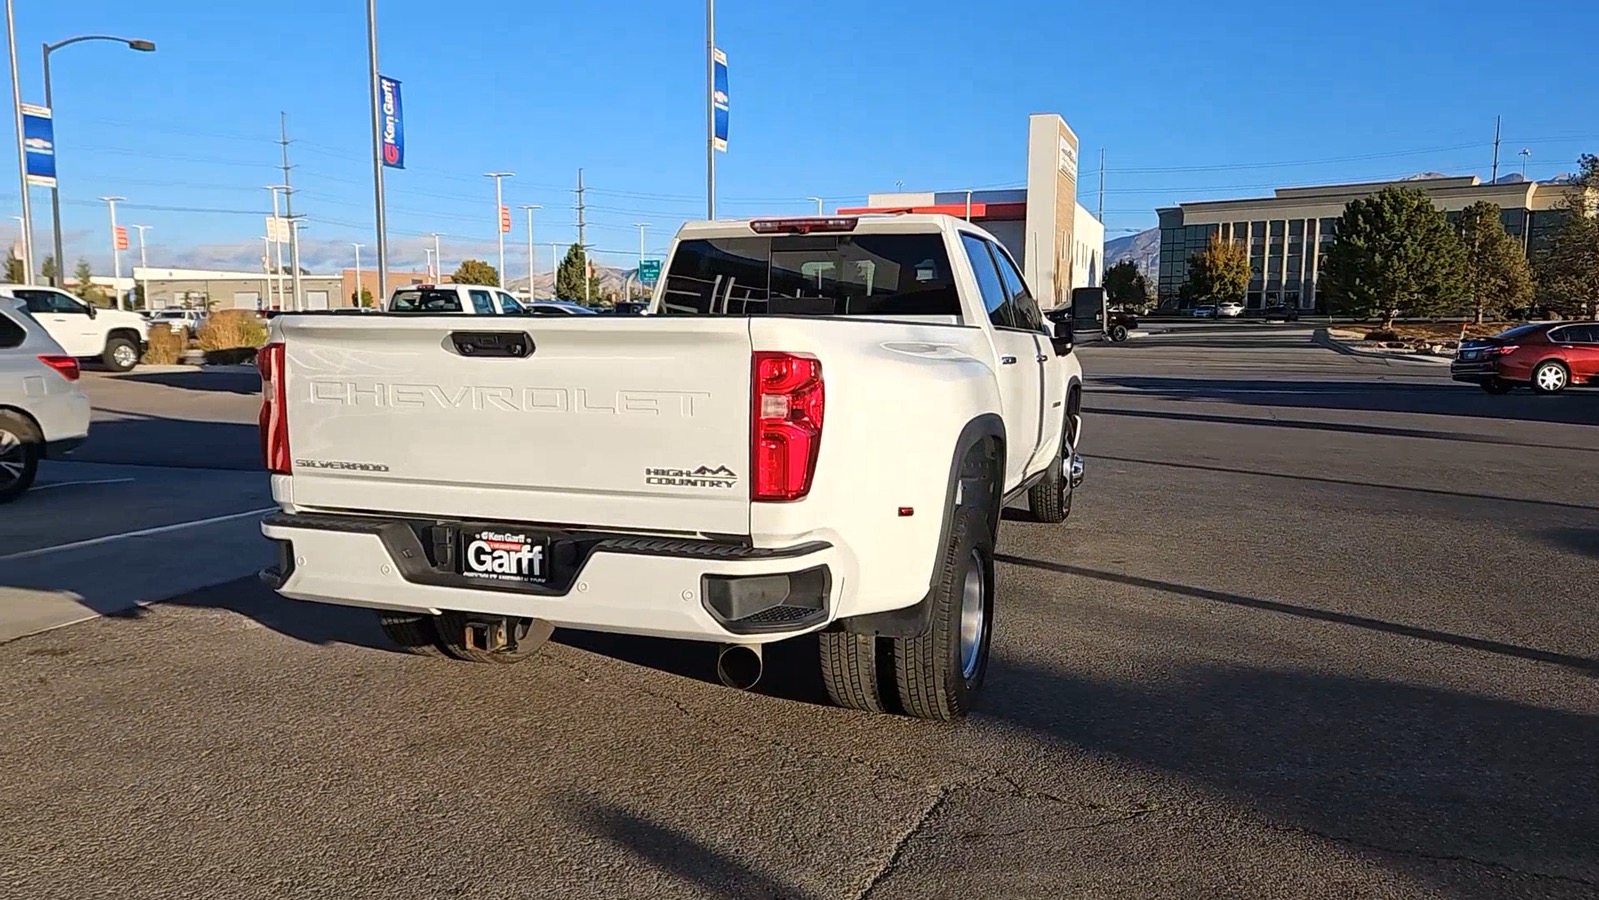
x=719, y=99
x=393, y=123
x=39, y=145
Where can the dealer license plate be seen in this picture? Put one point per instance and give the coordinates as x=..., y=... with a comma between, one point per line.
x=498, y=555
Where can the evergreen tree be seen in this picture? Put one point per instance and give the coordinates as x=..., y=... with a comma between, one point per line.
x=1394, y=254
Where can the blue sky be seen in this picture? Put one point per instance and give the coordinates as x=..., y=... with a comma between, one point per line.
x=829, y=97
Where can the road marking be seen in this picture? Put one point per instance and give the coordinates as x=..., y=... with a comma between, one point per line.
x=143, y=532
x=56, y=484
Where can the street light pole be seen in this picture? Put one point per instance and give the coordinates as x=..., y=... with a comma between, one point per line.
x=278, y=276
x=640, y=226
x=143, y=264
x=438, y=259
x=530, y=207
x=374, y=93
x=22, y=152
x=818, y=204
x=116, y=252
x=710, y=109
x=357, y=298
x=499, y=220
x=138, y=44
x=555, y=269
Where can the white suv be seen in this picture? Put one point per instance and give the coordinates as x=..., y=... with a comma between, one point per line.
x=113, y=337
x=43, y=410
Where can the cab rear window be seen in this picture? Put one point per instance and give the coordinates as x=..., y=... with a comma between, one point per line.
x=812, y=275
x=425, y=301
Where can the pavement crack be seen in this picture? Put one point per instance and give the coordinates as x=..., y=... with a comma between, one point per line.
x=890, y=864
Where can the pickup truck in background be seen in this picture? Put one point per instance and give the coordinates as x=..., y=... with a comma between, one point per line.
x=113, y=337
x=447, y=299
x=814, y=430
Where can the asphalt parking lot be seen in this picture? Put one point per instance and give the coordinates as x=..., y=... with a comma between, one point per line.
x=1320, y=626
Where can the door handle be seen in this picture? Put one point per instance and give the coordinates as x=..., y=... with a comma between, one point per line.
x=1007, y=360
x=1040, y=358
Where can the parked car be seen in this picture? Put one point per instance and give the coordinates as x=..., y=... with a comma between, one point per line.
x=1204, y=312
x=719, y=473
x=470, y=299
x=111, y=336
x=1278, y=312
x=556, y=308
x=1231, y=309
x=1119, y=324
x=43, y=410
x=181, y=321
x=629, y=307
x=1545, y=356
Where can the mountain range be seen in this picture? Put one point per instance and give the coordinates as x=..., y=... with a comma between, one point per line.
x=1142, y=248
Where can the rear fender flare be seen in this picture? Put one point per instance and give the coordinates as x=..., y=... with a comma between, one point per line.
x=976, y=477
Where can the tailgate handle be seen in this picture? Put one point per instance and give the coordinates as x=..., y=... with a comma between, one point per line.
x=511, y=344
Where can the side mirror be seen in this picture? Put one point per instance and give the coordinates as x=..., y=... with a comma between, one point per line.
x=1061, y=337
x=92, y=311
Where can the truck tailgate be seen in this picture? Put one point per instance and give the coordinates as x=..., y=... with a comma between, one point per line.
x=613, y=422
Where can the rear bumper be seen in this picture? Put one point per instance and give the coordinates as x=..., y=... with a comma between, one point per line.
x=687, y=589
x=1479, y=371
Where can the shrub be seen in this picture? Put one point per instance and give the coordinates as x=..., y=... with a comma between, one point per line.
x=1382, y=335
x=166, y=346
x=230, y=329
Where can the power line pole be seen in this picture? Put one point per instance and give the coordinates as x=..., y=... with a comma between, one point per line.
x=502, y=222
x=1494, y=176
x=530, y=207
x=22, y=152
x=143, y=264
x=288, y=213
x=555, y=269
x=1102, y=185
x=583, y=245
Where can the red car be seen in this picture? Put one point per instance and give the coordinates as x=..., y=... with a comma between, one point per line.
x=1546, y=356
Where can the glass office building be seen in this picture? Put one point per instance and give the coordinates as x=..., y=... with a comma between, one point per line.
x=1288, y=234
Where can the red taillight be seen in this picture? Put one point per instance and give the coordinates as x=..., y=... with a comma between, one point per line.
x=803, y=226
x=274, y=409
x=1505, y=349
x=785, y=424
x=66, y=365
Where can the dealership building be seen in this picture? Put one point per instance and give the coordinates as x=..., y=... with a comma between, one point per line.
x=1288, y=233
x=1059, y=244
x=196, y=288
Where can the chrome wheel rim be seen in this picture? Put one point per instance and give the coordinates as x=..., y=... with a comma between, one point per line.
x=1551, y=378
x=974, y=615
x=124, y=356
x=13, y=458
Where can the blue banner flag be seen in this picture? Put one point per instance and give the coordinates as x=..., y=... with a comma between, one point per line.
x=393, y=123
x=719, y=99
x=39, y=145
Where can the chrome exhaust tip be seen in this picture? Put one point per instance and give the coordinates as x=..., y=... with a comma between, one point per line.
x=739, y=666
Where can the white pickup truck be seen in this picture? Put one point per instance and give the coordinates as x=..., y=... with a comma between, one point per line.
x=114, y=337
x=814, y=430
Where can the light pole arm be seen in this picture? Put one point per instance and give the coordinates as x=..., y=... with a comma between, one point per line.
x=135, y=43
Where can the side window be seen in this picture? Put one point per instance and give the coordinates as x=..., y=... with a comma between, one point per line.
x=48, y=302
x=509, y=306
x=1025, y=308
x=995, y=299
x=11, y=334
x=1582, y=334
x=482, y=303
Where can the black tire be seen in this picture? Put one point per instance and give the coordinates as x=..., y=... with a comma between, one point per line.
x=1550, y=377
x=530, y=635
x=411, y=632
x=120, y=355
x=1497, y=386
x=19, y=455
x=932, y=681
x=850, y=670
x=1050, y=500
x=1118, y=333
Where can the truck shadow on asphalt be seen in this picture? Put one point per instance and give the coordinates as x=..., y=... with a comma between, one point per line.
x=212, y=380
x=1436, y=395
x=143, y=440
x=1335, y=427
x=1577, y=540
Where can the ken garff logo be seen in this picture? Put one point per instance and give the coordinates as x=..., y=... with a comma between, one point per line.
x=393, y=127
x=698, y=477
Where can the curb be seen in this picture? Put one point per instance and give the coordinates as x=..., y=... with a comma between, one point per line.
x=1323, y=339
